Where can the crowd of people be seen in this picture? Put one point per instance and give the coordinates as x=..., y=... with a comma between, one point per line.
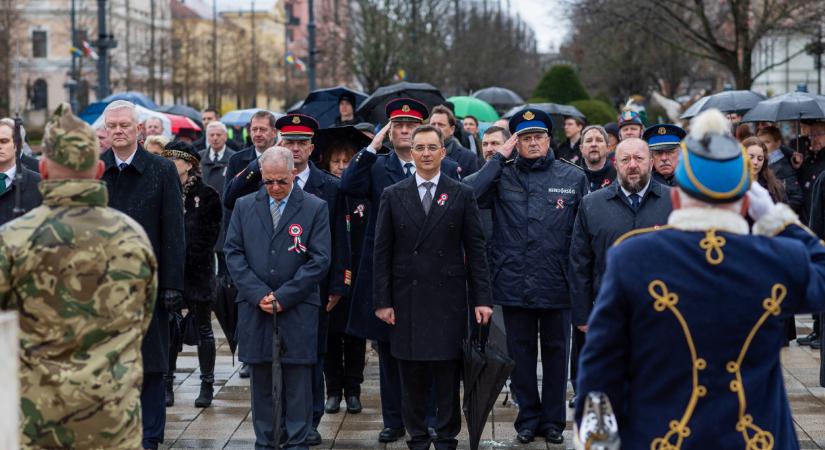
x=406, y=236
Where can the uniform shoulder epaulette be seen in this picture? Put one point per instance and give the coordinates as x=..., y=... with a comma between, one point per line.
x=640, y=231
x=572, y=164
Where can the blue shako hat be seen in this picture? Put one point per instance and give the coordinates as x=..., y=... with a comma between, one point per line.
x=713, y=166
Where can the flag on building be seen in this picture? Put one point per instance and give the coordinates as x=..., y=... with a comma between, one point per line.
x=88, y=51
x=293, y=60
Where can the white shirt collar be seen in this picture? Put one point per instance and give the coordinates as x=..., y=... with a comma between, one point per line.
x=419, y=181
x=218, y=155
x=10, y=175
x=641, y=193
x=128, y=160
x=303, y=176
x=404, y=169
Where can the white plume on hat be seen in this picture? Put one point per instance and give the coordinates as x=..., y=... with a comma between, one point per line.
x=709, y=122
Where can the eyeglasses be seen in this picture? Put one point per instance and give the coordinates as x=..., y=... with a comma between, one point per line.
x=281, y=182
x=430, y=148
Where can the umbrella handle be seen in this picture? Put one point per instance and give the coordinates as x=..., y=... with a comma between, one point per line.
x=480, y=333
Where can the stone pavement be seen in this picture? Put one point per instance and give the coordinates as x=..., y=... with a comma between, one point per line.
x=227, y=424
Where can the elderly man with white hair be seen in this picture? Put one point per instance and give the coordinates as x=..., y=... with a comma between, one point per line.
x=278, y=250
x=147, y=188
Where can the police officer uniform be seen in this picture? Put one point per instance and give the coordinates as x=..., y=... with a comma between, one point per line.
x=685, y=341
x=663, y=138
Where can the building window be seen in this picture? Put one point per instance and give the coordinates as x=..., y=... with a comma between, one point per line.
x=39, y=44
x=40, y=94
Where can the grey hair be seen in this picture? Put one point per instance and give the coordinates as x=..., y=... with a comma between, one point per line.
x=216, y=124
x=122, y=104
x=145, y=122
x=598, y=128
x=276, y=155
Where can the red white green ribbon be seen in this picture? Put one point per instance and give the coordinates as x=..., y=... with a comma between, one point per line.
x=295, y=231
x=442, y=199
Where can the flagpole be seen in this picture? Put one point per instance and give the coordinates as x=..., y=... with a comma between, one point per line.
x=71, y=84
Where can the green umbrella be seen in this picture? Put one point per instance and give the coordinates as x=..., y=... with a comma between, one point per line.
x=471, y=106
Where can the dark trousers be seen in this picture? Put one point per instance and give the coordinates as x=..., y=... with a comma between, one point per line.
x=317, y=392
x=822, y=350
x=419, y=379
x=575, y=349
x=153, y=409
x=390, y=387
x=525, y=328
x=206, y=344
x=344, y=364
x=296, y=398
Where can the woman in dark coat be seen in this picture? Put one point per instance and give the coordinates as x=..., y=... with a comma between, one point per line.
x=202, y=222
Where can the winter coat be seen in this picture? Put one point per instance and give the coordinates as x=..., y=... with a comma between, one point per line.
x=214, y=174
x=601, y=178
x=202, y=220
x=30, y=197
x=467, y=160
x=785, y=172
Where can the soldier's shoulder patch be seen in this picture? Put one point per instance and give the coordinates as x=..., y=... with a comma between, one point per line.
x=640, y=231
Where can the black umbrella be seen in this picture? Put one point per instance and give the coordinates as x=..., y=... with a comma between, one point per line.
x=725, y=101
x=295, y=107
x=226, y=311
x=277, y=379
x=323, y=104
x=373, y=109
x=500, y=98
x=796, y=106
x=328, y=139
x=557, y=112
x=486, y=369
x=183, y=110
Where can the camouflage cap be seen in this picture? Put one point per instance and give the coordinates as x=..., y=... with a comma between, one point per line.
x=69, y=141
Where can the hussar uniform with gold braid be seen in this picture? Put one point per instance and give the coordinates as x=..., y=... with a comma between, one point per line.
x=686, y=332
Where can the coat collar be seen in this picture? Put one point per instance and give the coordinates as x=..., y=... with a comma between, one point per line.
x=293, y=205
x=394, y=168
x=655, y=188
x=703, y=219
x=315, y=180
x=139, y=162
x=412, y=203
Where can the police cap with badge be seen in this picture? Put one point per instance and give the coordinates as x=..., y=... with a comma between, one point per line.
x=530, y=120
x=406, y=110
x=297, y=127
x=713, y=166
x=663, y=137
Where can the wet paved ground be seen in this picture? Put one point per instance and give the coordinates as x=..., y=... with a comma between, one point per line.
x=227, y=424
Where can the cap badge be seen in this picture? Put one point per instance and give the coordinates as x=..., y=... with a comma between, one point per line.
x=662, y=130
x=296, y=120
x=405, y=108
x=529, y=115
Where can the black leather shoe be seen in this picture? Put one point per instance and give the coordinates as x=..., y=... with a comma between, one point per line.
x=353, y=404
x=432, y=433
x=391, y=434
x=313, y=438
x=554, y=437
x=806, y=340
x=816, y=345
x=169, y=392
x=526, y=436
x=333, y=404
x=244, y=372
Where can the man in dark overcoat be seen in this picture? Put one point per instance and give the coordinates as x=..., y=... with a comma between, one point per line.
x=428, y=226
x=14, y=176
x=278, y=251
x=214, y=165
x=147, y=188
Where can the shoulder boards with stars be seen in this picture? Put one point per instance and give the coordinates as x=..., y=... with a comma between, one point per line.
x=640, y=231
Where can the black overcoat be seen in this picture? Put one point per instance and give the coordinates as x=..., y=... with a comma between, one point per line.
x=214, y=174
x=148, y=190
x=357, y=211
x=30, y=196
x=202, y=220
x=430, y=268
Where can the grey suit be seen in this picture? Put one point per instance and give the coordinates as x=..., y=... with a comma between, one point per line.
x=258, y=269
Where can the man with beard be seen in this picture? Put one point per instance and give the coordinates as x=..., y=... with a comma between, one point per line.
x=597, y=166
x=663, y=140
x=636, y=201
x=630, y=125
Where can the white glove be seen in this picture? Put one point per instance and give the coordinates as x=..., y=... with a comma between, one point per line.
x=760, y=201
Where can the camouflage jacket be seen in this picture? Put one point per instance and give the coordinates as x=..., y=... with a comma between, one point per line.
x=83, y=279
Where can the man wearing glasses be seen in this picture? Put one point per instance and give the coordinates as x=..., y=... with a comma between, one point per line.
x=535, y=198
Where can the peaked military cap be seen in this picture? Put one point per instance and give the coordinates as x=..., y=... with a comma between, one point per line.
x=407, y=110
x=69, y=141
x=630, y=118
x=297, y=127
x=713, y=166
x=530, y=120
x=663, y=136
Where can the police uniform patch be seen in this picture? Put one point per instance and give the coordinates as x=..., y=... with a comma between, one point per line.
x=296, y=120
x=662, y=130
x=405, y=108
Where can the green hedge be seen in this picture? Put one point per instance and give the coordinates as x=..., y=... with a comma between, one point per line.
x=596, y=111
x=561, y=85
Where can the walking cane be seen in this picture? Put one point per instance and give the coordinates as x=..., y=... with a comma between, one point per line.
x=277, y=379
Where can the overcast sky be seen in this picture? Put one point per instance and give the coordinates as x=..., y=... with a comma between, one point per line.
x=546, y=17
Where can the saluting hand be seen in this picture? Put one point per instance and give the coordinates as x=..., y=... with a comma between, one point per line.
x=378, y=140
x=483, y=314
x=386, y=314
x=506, y=149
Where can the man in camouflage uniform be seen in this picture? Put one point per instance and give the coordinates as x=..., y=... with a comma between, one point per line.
x=83, y=278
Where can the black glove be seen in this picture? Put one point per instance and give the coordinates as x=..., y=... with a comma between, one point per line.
x=172, y=299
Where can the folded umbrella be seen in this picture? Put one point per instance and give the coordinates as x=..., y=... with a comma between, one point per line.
x=226, y=310
x=373, y=108
x=725, y=101
x=323, y=104
x=486, y=369
x=471, y=106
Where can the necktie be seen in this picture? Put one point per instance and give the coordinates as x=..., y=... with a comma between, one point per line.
x=214, y=157
x=427, y=201
x=275, y=209
x=3, y=178
x=408, y=169
x=122, y=166
x=635, y=201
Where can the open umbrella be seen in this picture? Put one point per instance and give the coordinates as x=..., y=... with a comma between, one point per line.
x=327, y=139
x=323, y=104
x=295, y=107
x=556, y=111
x=373, y=108
x=486, y=369
x=183, y=110
x=137, y=98
x=471, y=106
x=242, y=117
x=796, y=106
x=500, y=98
x=180, y=123
x=143, y=114
x=93, y=111
x=725, y=101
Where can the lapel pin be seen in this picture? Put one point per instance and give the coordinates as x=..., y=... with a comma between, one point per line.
x=296, y=231
x=442, y=200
